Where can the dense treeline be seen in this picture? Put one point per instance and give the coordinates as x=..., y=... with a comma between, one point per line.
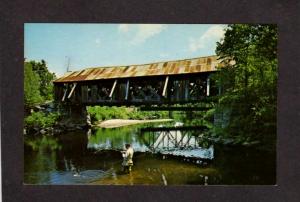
x=249, y=83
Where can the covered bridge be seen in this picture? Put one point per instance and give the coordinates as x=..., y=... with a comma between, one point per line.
x=179, y=81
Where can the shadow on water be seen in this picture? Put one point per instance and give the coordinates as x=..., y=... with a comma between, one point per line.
x=162, y=157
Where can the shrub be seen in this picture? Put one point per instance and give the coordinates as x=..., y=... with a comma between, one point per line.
x=41, y=120
x=98, y=113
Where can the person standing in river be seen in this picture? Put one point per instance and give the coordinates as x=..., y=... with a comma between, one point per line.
x=127, y=158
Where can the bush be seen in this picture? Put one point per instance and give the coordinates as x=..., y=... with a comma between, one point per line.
x=98, y=113
x=41, y=120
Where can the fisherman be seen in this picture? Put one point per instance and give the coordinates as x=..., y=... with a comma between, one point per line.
x=127, y=158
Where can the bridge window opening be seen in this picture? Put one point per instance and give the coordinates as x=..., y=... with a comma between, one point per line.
x=94, y=90
x=58, y=92
x=197, y=88
x=84, y=94
x=77, y=94
x=89, y=94
x=179, y=90
x=120, y=91
x=137, y=93
x=103, y=92
x=145, y=91
x=98, y=93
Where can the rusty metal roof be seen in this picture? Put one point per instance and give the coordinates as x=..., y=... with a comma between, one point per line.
x=186, y=66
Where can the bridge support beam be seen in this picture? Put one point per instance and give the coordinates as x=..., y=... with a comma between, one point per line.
x=127, y=90
x=113, y=88
x=207, y=86
x=73, y=88
x=65, y=93
x=165, y=86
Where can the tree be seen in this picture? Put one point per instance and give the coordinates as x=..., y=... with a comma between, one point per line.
x=249, y=81
x=31, y=86
x=46, y=78
x=38, y=86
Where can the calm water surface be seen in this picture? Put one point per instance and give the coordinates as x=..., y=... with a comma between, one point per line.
x=166, y=157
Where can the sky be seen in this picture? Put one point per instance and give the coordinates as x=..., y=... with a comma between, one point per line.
x=102, y=45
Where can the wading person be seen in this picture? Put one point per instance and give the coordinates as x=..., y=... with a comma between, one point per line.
x=127, y=158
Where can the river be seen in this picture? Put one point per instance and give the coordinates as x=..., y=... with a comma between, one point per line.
x=162, y=157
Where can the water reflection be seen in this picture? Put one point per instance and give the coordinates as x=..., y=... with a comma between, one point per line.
x=187, y=143
x=115, y=139
x=42, y=158
x=179, y=143
x=163, y=156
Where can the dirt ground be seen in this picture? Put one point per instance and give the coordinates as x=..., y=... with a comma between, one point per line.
x=115, y=123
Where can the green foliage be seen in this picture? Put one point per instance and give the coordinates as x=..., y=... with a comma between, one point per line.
x=46, y=78
x=249, y=83
x=102, y=113
x=41, y=120
x=98, y=113
x=209, y=114
x=31, y=86
x=38, y=85
x=43, y=143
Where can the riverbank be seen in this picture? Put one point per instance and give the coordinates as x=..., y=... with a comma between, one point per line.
x=116, y=123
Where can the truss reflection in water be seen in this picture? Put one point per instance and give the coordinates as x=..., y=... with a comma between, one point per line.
x=187, y=143
x=179, y=143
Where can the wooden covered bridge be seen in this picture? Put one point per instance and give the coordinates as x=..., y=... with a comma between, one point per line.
x=171, y=82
